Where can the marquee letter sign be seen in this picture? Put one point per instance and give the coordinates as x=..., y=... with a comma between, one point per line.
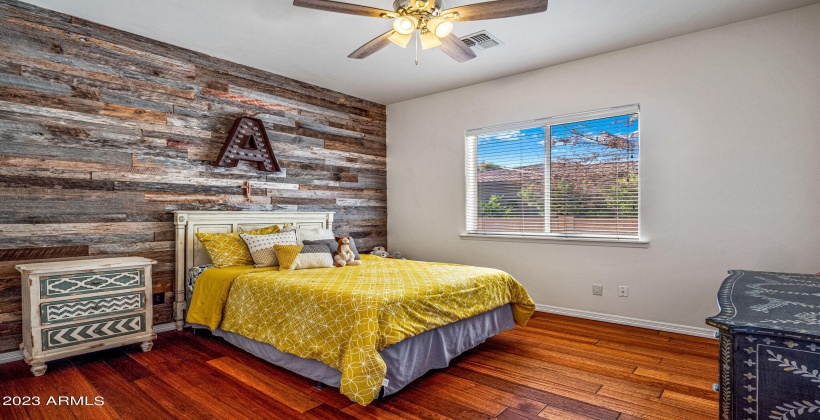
x=248, y=141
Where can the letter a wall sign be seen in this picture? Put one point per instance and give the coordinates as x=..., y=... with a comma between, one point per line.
x=248, y=141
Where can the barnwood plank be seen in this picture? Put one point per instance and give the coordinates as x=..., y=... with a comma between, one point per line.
x=43, y=253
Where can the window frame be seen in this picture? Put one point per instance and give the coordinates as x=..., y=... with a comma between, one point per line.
x=471, y=187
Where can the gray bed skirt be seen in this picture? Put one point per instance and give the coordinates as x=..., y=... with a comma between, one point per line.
x=406, y=360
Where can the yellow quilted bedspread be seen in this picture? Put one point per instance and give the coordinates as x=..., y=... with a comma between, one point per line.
x=344, y=316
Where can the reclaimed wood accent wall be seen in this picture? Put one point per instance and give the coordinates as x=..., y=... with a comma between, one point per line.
x=104, y=133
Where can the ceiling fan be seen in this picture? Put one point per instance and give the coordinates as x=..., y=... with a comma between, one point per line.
x=425, y=18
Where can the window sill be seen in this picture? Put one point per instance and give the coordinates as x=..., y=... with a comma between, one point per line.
x=626, y=243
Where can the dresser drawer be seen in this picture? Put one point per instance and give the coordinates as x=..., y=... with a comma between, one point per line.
x=65, y=311
x=83, y=283
x=87, y=332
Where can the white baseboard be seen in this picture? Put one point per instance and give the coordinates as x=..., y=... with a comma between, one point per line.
x=11, y=356
x=170, y=326
x=14, y=356
x=634, y=322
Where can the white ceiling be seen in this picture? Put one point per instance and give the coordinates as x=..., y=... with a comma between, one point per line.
x=312, y=46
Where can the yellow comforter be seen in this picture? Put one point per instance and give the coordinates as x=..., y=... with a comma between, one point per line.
x=344, y=316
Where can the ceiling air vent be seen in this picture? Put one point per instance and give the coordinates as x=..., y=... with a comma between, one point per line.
x=481, y=41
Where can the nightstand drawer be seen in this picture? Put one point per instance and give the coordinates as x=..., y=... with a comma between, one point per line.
x=84, y=283
x=66, y=311
x=92, y=331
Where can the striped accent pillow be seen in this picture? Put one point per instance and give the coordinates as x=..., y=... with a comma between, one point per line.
x=300, y=257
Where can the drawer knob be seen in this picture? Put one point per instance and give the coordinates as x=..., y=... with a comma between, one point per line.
x=95, y=282
x=716, y=387
x=98, y=330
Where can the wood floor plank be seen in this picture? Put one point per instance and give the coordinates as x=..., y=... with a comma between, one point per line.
x=564, y=358
x=439, y=404
x=372, y=413
x=553, y=413
x=12, y=411
x=604, y=327
x=645, y=407
x=513, y=414
x=326, y=412
x=266, y=385
x=125, y=397
x=597, y=375
x=622, y=405
x=556, y=367
x=681, y=354
x=675, y=378
x=583, y=330
x=591, y=350
x=71, y=383
x=524, y=390
x=507, y=399
x=688, y=402
x=127, y=367
x=193, y=389
x=170, y=399
x=534, y=376
x=463, y=397
x=222, y=388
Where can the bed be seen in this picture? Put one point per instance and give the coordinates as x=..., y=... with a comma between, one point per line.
x=369, y=330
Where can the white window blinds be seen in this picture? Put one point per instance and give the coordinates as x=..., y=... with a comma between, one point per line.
x=568, y=176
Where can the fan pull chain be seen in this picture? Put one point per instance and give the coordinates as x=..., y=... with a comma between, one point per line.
x=417, y=47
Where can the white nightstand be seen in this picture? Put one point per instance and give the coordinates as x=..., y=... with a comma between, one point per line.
x=80, y=306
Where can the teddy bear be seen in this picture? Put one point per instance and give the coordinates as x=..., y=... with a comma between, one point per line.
x=380, y=251
x=344, y=255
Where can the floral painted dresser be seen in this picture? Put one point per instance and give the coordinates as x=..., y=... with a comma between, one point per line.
x=769, y=346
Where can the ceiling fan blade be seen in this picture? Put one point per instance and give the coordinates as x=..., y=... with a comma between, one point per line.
x=455, y=48
x=498, y=9
x=373, y=46
x=339, y=7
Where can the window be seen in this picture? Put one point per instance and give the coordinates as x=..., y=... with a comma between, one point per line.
x=573, y=176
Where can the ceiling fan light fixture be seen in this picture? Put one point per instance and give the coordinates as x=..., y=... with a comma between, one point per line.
x=429, y=40
x=400, y=39
x=440, y=27
x=405, y=25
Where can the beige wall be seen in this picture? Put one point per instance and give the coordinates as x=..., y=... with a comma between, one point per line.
x=730, y=167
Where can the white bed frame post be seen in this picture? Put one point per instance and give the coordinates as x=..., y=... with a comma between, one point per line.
x=180, y=221
x=190, y=254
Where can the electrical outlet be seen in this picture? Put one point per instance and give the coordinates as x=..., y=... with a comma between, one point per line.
x=598, y=289
x=159, y=298
x=623, y=291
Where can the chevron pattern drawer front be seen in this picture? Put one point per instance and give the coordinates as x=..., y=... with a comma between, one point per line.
x=92, y=331
x=67, y=311
x=80, y=283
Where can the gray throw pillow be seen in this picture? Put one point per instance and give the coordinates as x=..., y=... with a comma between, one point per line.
x=333, y=245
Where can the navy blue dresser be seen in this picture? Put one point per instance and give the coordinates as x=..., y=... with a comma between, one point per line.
x=769, y=346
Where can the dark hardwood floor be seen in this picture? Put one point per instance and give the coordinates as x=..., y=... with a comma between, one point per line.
x=556, y=368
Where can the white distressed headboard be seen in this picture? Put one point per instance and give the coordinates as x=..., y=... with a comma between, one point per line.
x=190, y=253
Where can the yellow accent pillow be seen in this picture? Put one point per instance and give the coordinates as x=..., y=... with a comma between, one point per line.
x=287, y=255
x=228, y=249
